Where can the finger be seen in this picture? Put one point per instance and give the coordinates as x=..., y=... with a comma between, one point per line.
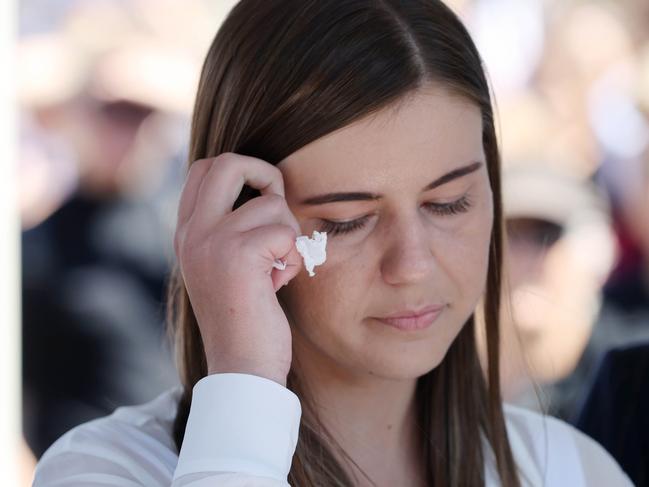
x=195, y=175
x=188, y=196
x=271, y=243
x=263, y=210
x=224, y=181
x=294, y=264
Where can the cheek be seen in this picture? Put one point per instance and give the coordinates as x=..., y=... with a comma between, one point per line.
x=463, y=253
x=332, y=296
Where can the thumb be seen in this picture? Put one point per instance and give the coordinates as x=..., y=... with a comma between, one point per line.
x=294, y=264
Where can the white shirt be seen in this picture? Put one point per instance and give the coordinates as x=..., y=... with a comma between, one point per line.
x=242, y=432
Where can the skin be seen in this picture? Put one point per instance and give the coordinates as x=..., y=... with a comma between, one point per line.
x=405, y=257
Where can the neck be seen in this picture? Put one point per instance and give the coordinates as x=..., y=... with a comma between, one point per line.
x=372, y=418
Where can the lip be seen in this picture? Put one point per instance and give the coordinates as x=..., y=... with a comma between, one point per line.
x=413, y=320
x=412, y=313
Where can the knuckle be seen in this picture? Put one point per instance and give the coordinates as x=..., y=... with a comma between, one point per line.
x=287, y=232
x=226, y=160
x=276, y=172
x=281, y=233
x=194, y=166
x=276, y=203
x=277, y=175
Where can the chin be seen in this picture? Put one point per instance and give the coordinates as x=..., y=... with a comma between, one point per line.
x=401, y=368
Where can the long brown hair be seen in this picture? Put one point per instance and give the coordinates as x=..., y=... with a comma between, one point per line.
x=279, y=75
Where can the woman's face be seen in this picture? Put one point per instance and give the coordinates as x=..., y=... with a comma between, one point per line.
x=413, y=245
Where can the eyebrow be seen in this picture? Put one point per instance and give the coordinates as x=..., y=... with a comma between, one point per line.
x=336, y=197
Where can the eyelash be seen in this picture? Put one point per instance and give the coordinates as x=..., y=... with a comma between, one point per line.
x=442, y=209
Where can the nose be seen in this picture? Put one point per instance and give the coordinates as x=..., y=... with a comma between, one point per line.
x=409, y=256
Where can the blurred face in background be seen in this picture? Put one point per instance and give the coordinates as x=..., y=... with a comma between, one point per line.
x=551, y=302
x=105, y=135
x=101, y=134
x=413, y=247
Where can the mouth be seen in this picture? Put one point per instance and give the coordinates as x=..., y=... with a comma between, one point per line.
x=409, y=320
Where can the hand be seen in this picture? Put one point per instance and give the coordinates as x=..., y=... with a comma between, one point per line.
x=226, y=259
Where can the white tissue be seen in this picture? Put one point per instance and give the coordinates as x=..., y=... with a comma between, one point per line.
x=279, y=264
x=313, y=250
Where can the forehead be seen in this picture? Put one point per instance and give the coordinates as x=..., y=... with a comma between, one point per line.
x=425, y=134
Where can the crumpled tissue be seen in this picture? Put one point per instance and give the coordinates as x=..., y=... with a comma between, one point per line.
x=313, y=251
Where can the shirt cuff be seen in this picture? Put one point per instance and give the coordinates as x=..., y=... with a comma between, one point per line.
x=240, y=423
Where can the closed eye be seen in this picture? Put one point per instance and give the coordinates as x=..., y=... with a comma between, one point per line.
x=333, y=228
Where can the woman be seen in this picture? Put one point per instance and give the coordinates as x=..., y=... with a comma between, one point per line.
x=371, y=121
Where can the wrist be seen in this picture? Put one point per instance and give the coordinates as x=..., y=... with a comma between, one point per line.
x=264, y=372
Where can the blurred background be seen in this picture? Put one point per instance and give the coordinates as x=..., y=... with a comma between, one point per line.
x=104, y=92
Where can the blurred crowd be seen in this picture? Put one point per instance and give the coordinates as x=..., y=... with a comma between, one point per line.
x=105, y=93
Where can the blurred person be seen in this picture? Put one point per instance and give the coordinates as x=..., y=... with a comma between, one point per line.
x=371, y=122
x=94, y=271
x=614, y=411
x=560, y=249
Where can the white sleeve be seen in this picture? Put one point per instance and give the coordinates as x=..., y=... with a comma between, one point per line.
x=242, y=431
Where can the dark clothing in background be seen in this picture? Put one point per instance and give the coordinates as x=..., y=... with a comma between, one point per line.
x=616, y=411
x=630, y=292
x=613, y=328
x=94, y=276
